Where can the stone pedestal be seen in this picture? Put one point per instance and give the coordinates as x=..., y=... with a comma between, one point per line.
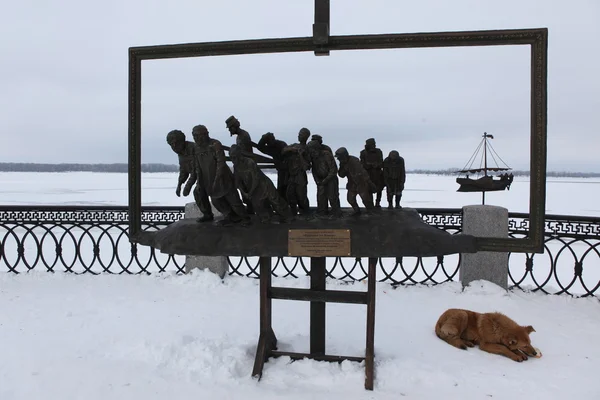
x=485, y=221
x=216, y=264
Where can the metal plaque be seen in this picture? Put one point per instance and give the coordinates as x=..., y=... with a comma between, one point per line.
x=319, y=242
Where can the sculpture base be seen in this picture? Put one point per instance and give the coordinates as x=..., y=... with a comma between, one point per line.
x=382, y=233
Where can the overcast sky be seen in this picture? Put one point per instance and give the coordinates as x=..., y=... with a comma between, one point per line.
x=63, y=77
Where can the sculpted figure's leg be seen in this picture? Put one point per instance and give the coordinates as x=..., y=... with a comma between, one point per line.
x=302, y=192
x=321, y=200
x=398, y=197
x=333, y=195
x=238, y=210
x=367, y=199
x=203, y=203
x=351, y=197
x=290, y=196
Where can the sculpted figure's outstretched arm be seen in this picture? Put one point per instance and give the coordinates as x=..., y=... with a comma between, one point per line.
x=343, y=171
x=184, y=174
x=402, y=171
x=379, y=163
x=192, y=176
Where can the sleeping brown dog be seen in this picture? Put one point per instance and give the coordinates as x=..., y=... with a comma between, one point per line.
x=493, y=332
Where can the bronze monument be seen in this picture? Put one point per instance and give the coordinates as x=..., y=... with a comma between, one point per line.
x=404, y=233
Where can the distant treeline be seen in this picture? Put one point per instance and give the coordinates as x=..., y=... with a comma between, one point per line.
x=515, y=172
x=155, y=167
x=119, y=168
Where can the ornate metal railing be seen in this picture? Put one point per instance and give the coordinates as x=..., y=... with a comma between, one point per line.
x=94, y=240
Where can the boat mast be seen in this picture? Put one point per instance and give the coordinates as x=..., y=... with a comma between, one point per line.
x=485, y=136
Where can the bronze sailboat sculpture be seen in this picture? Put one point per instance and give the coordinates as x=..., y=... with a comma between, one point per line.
x=485, y=182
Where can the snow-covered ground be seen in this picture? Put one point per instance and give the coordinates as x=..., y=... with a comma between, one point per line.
x=194, y=337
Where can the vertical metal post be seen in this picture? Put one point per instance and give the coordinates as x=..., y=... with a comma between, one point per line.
x=265, y=300
x=267, y=341
x=538, y=135
x=317, y=309
x=370, y=349
x=135, y=144
x=321, y=27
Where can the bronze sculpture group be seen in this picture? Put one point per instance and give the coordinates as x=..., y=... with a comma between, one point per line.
x=247, y=190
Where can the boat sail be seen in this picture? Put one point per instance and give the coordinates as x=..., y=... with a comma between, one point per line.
x=485, y=182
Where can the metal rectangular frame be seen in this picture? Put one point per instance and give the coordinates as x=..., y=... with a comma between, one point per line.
x=536, y=38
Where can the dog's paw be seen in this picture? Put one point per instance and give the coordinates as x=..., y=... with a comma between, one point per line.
x=469, y=344
x=519, y=357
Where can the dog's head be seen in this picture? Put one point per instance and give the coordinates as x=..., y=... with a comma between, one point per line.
x=518, y=339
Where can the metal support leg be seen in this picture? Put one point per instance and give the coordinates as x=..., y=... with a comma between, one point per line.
x=317, y=309
x=370, y=349
x=267, y=342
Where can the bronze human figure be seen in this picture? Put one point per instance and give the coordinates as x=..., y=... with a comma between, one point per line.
x=185, y=155
x=358, y=180
x=253, y=184
x=297, y=163
x=372, y=160
x=319, y=139
x=394, y=174
x=274, y=148
x=216, y=178
x=324, y=171
x=242, y=137
x=187, y=172
x=303, y=136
